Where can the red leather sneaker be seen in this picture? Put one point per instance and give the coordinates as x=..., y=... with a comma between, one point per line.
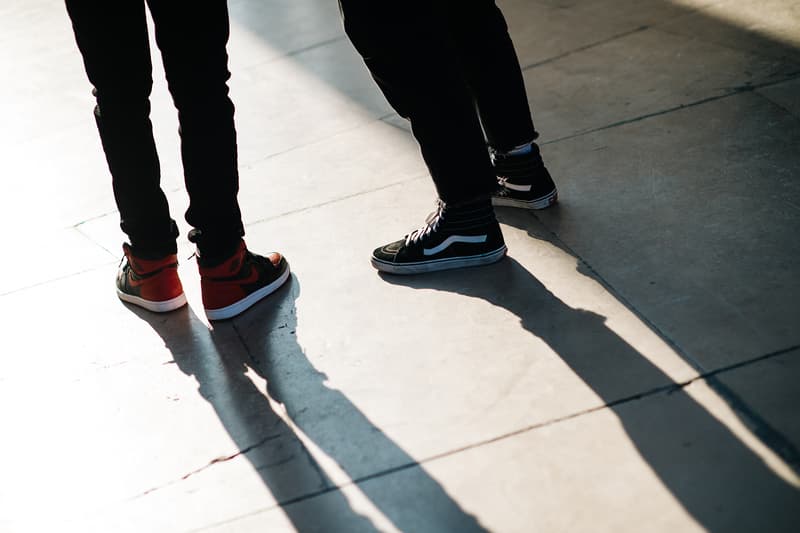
x=150, y=283
x=240, y=281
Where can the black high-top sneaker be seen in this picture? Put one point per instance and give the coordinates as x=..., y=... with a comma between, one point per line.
x=452, y=237
x=523, y=181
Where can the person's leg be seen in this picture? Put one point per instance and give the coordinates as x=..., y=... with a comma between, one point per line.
x=112, y=38
x=192, y=37
x=480, y=40
x=406, y=55
x=492, y=69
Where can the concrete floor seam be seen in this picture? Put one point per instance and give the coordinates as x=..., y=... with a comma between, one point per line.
x=56, y=279
x=259, y=160
x=622, y=35
x=336, y=200
x=735, y=91
x=589, y=46
x=91, y=240
x=247, y=225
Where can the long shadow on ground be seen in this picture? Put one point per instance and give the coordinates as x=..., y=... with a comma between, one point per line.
x=677, y=437
x=264, y=339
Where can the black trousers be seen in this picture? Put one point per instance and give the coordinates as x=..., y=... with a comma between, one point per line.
x=192, y=37
x=448, y=66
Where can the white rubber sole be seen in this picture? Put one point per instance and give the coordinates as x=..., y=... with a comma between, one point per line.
x=538, y=203
x=156, y=307
x=251, y=299
x=435, y=265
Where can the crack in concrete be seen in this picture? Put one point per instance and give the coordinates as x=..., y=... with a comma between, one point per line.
x=216, y=460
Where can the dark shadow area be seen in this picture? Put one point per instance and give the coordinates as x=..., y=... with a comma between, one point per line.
x=758, y=425
x=218, y=362
x=677, y=437
x=264, y=339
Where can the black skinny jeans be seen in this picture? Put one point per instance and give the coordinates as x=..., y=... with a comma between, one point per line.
x=448, y=66
x=192, y=37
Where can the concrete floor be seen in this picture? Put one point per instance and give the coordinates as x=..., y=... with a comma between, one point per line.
x=631, y=366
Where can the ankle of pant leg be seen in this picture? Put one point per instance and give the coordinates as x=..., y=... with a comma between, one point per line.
x=526, y=148
x=153, y=251
x=479, y=201
x=148, y=243
x=213, y=250
x=506, y=147
x=216, y=256
x=468, y=214
x=476, y=202
x=224, y=268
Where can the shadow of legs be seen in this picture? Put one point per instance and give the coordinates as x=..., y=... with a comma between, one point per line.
x=217, y=360
x=341, y=430
x=682, y=442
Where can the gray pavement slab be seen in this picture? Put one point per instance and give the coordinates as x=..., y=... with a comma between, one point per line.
x=693, y=223
x=639, y=74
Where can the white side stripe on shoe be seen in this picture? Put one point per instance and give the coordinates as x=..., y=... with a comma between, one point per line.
x=513, y=187
x=453, y=239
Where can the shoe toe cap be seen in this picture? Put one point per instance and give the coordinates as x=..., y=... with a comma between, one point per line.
x=388, y=252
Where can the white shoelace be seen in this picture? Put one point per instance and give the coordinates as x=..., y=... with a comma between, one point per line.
x=431, y=224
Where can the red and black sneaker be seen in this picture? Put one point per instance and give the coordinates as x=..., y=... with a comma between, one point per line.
x=150, y=283
x=240, y=281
